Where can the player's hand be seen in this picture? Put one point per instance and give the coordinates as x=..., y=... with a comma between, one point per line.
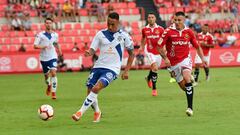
x=205, y=64
x=125, y=75
x=167, y=62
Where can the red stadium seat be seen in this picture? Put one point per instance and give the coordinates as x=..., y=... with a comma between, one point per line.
x=20, y=34
x=25, y=41
x=86, y=39
x=170, y=10
x=83, y=32
x=135, y=11
x=4, y=48
x=179, y=9
x=68, y=40
x=68, y=26
x=135, y=25
x=214, y=9
x=13, y=48
x=131, y=5
x=77, y=26
x=5, y=27
x=7, y=41
x=16, y=41
x=35, y=27
x=30, y=33
x=126, y=11
x=162, y=10
x=61, y=40
x=87, y=25
x=92, y=32
x=78, y=39
x=3, y=34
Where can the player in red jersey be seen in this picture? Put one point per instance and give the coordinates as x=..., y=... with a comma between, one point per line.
x=206, y=41
x=150, y=36
x=177, y=39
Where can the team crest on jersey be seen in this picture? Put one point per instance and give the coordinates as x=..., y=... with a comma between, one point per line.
x=157, y=31
x=119, y=38
x=109, y=75
x=186, y=36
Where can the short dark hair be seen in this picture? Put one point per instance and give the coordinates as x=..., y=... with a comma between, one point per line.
x=180, y=13
x=48, y=18
x=205, y=24
x=151, y=13
x=114, y=15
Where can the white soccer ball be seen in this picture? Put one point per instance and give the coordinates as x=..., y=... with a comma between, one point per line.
x=45, y=112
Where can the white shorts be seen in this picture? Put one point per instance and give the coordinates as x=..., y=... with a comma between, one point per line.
x=152, y=58
x=186, y=64
x=205, y=58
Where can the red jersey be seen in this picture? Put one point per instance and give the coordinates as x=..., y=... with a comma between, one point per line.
x=152, y=36
x=177, y=43
x=208, y=39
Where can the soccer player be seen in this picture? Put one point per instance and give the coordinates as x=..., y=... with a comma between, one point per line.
x=177, y=39
x=206, y=42
x=111, y=43
x=150, y=36
x=47, y=41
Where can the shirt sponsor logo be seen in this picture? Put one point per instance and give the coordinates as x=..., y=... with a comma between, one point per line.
x=180, y=42
x=153, y=36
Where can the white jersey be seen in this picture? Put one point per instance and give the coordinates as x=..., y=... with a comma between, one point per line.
x=47, y=39
x=111, y=46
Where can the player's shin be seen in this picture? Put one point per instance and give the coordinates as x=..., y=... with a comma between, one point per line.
x=206, y=69
x=154, y=80
x=90, y=99
x=189, y=94
x=196, y=74
x=54, y=83
x=95, y=106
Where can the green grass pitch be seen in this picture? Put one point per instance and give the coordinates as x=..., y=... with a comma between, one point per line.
x=128, y=107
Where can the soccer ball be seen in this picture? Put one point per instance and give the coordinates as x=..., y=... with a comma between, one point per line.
x=45, y=112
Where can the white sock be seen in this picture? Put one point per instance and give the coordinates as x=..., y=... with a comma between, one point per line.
x=95, y=106
x=54, y=83
x=90, y=99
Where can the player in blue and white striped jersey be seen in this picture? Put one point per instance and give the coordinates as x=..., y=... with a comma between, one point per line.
x=47, y=41
x=111, y=43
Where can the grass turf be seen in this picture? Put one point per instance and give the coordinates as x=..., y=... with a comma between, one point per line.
x=128, y=107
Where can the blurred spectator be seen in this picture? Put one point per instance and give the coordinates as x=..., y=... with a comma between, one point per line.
x=75, y=47
x=234, y=25
x=224, y=7
x=221, y=38
x=16, y=23
x=42, y=11
x=110, y=9
x=185, y=2
x=139, y=60
x=17, y=8
x=92, y=11
x=50, y=9
x=57, y=24
x=128, y=28
x=187, y=21
x=85, y=47
x=231, y=39
x=58, y=10
x=234, y=9
x=34, y=4
x=27, y=23
x=75, y=11
x=22, y=48
x=68, y=12
x=8, y=11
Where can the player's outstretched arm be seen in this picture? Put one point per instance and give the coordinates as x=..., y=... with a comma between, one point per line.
x=39, y=47
x=163, y=53
x=200, y=54
x=129, y=64
x=58, y=48
x=89, y=52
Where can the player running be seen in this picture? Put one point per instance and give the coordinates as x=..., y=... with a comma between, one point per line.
x=47, y=41
x=150, y=36
x=206, y=41
x=177, y=39
x=111, y=43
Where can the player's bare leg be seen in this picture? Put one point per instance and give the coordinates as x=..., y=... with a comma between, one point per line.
x=90, y=100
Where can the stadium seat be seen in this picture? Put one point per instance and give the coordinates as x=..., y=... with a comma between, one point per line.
x=16, y=41
x=68, y=40
x=3, y=34
x=87, y=25
x=214, y=9
x=25, y=41
x=35, y=27
x=162, y=10
x=77, y=26
x=179, y=9
x=30, y=33
x=135, y=25
x=83, y=32
x=7, y=41
x=131, y=5
x=68, y=26
x=20, y=34
x=78, y=39
x=86, y=39
x=126, y=11
x=92, y=32
x=5, y=27
x=13, y=48
x=4, y=48
x=135, y=11
x=61, y=40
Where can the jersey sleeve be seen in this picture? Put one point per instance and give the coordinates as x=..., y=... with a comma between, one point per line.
x=96, y=41
x=37, y=39
x=193, y=39
x=163, y=39
x=210, y=40
x=128, y=42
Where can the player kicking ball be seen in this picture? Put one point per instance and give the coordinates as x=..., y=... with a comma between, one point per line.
x=177, y=39
x=111, y=43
